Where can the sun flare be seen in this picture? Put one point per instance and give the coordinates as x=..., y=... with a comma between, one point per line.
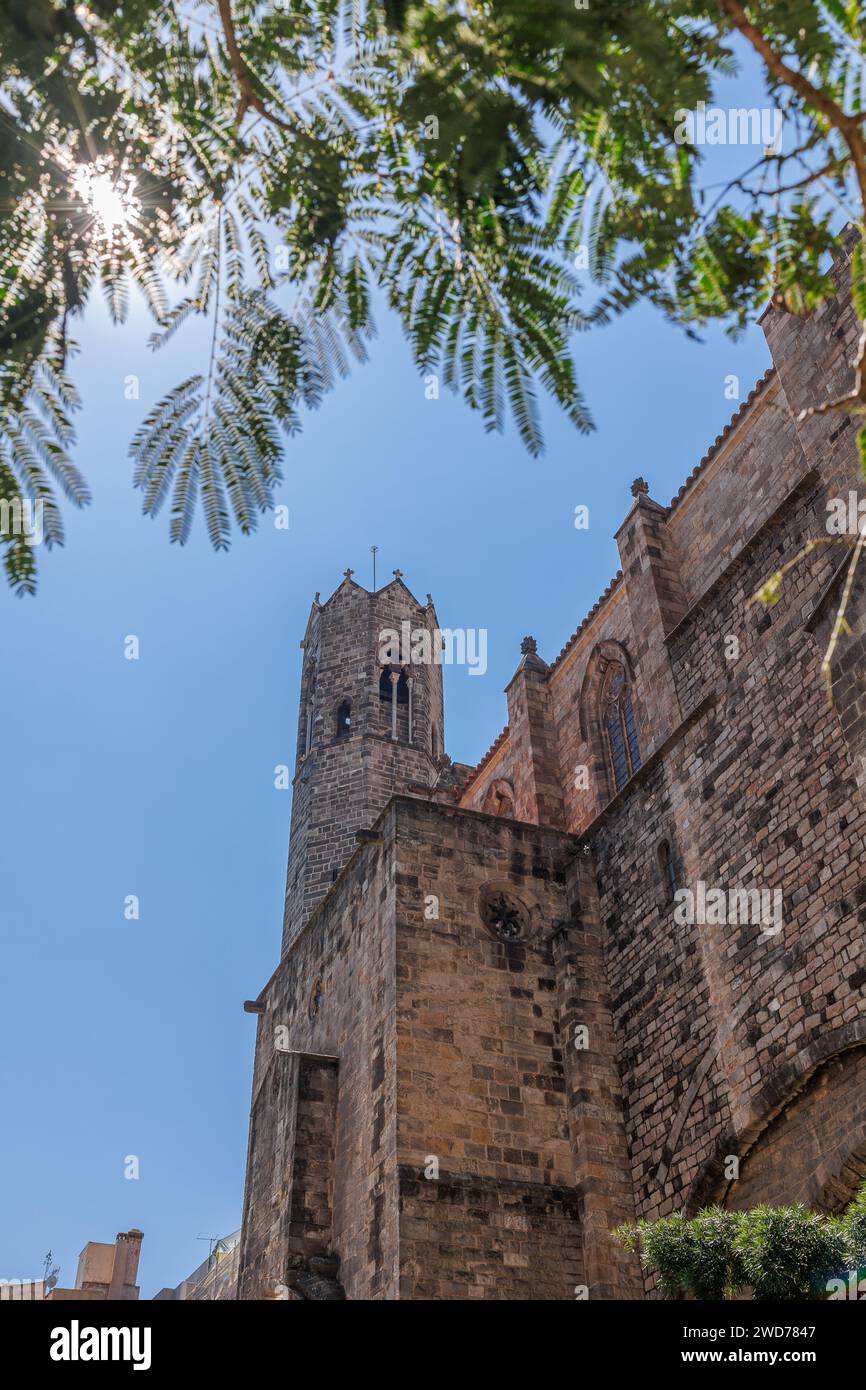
x=113, y=202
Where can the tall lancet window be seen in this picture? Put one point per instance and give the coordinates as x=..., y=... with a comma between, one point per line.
x=617, y=719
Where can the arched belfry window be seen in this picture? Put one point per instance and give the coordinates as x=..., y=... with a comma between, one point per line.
x=344, y=720
x=618, y=726
x=385, y=684
x=395, y=696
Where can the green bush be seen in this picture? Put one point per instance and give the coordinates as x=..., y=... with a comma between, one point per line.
x=776, y=1252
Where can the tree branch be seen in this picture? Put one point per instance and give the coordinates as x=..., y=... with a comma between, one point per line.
x=840, y=625
x=245, y=80
x=848, y=126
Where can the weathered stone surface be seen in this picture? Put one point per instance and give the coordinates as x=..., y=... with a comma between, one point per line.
x=498, y=1040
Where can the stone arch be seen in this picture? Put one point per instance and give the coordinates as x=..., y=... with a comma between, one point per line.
x=602, y=654
x=807, y=1125
x=837, y=1193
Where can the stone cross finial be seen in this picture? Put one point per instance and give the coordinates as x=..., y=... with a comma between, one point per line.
x=640, y=485
x=529, y=646
x=398, y=574
x=347, y=574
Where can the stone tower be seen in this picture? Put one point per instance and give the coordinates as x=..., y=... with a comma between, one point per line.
x=368, y=727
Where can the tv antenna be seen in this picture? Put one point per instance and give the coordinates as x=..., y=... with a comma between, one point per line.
x=212, y=1241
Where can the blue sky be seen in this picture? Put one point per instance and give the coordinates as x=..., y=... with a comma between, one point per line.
x=155, y=777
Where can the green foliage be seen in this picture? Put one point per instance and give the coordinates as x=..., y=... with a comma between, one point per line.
x=477, y=167
x=775, y=1252
x=789, y=1252
x=696, y=1256
x=858, y=280
x=855, y=1230
x=38, y=435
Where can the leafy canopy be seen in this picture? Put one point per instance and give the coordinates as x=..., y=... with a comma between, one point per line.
x=274, y=167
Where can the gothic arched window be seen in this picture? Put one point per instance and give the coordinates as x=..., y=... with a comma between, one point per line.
x=344, y=720
x=618, y=726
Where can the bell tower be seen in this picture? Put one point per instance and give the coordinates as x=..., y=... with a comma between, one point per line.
x=370, y=724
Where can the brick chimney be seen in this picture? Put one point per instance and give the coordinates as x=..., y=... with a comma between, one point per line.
x=124, y=1271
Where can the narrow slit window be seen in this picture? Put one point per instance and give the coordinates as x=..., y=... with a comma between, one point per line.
x=344, y=720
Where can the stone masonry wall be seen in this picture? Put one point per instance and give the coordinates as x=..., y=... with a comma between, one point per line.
x=474, y=1238
x=739, y=490
x=814, y=1151
x=482, y=1076
x=345, y=957
x=750, y=779
x=756, y=790
x=478, y=1053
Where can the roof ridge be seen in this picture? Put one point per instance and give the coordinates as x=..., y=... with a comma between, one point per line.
x=494, y=747
x=719, y=440
x=584, y=621
x=722, y=438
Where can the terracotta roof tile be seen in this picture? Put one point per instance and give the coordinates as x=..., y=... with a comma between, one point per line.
x=590, y=615
x=495, y=745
